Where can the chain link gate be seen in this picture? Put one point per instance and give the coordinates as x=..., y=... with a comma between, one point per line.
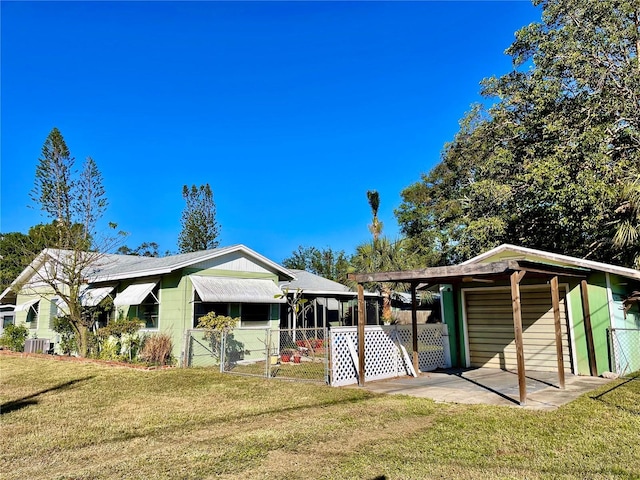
x=297, y=354
x=625, y=350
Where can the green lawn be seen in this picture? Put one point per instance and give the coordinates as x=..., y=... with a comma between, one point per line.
x=88, y=421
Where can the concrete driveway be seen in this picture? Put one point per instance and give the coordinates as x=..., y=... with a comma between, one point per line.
x=489, y=386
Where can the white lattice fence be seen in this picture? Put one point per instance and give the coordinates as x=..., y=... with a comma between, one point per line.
x=431, y=345
x=383, y=358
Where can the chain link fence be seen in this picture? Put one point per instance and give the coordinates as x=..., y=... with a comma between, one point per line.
x=625, y=350
x=296, y=354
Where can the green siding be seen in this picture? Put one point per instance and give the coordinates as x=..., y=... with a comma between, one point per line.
x=456, y=341
x=44, y=318
x=600, y=320
x=577, y=322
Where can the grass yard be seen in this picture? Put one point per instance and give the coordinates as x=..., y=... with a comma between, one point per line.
x=69, y=420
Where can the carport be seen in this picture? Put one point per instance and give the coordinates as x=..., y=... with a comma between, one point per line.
x=510, y=271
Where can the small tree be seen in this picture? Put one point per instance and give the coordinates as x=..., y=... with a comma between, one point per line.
x=199, y=227
x=216, y=326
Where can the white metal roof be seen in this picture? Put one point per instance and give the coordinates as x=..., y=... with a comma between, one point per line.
x=514, y=252
x=237, y=290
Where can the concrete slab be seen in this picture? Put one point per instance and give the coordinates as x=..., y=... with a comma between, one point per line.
x=490, y=386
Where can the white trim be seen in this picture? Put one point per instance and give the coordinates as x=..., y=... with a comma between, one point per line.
x=572, y=334
x=558, y=258
x=610, y=304
x=567, y=319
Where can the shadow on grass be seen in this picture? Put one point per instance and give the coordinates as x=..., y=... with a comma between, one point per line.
x=30, y=399
x=607, y=401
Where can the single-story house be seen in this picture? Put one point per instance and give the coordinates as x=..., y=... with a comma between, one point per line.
x=169, y=294
x=514, y=308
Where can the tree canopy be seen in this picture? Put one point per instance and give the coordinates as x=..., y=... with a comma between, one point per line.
x=324, y=262
x=544, y=165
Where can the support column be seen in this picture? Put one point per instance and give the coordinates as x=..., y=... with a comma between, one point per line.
x=555, y=301
x=361, y=322
x=414, y=327
x=517, y=331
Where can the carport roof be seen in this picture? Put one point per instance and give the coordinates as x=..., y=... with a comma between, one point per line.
x=470, y=272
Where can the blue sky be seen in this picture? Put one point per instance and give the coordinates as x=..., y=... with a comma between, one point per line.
x=291, y=111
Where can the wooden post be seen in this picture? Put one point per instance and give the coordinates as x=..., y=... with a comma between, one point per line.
x=414, y=327
x=361, y=322
x=555, y=301
x=588, y=332
x=459, y=328
x=517, y=330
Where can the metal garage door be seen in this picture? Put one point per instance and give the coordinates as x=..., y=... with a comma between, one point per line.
x=489, y=322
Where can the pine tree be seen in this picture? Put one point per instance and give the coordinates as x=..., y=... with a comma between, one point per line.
x=199, y=227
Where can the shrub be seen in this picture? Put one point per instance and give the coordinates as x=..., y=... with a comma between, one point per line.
x=14, y=337
x=118, y=340
x=156, y=349
x=68, y=342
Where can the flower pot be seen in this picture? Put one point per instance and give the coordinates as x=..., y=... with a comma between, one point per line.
x=297, y=359
x=285, y=357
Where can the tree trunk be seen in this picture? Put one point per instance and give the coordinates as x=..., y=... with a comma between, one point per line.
x=386, y=304
x=83, y=340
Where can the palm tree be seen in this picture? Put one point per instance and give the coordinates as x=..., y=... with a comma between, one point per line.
x=382, y=255
x=373, y=197
x=627, y=235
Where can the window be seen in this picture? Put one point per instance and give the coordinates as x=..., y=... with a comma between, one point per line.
x=255, y=312
x=149, y=308
x=7, y=320
x=200, y=309
x=32, y=316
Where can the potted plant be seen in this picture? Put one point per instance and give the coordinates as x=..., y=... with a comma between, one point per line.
x=297, y=357
x=286, y=354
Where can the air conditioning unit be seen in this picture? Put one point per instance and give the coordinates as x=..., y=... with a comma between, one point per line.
x=36, y=345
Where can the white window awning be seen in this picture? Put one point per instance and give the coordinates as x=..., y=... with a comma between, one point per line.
x=236, y=290
x=26, y=305
x=134, y=294
x=91, y=297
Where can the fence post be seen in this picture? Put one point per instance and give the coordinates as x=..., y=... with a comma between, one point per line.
x=222, y=350
x=185, y=348
x=267, y=363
